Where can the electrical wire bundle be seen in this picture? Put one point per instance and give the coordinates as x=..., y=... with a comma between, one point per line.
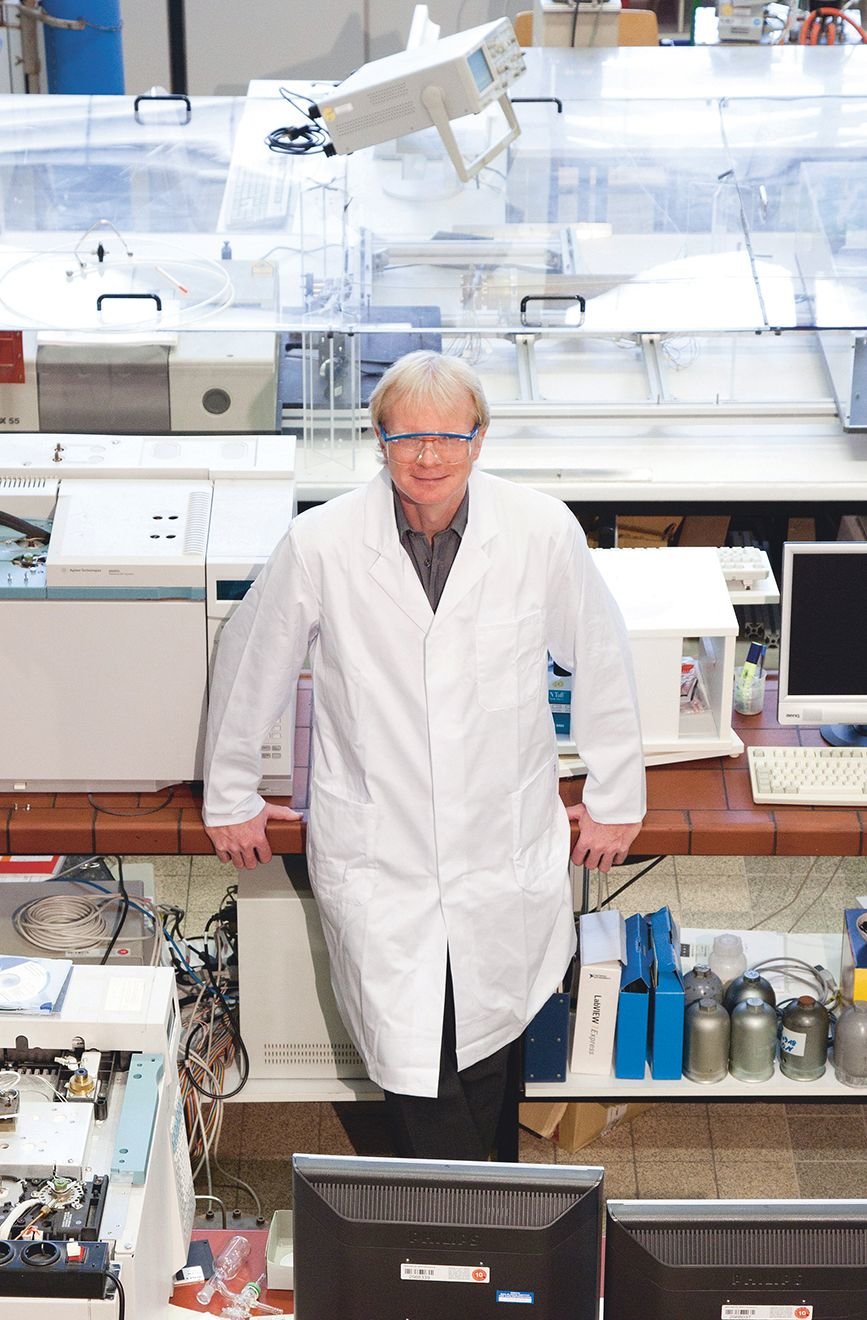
x=211, y=1042
x=207, y=980
x=60, y=922
x=309, y=138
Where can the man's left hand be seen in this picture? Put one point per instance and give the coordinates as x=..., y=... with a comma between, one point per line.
x=600, y=847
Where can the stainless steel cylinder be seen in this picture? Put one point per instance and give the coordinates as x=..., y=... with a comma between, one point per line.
x=804, y=1040
x=753, y=1041
x=850, y=1045
x=701, y=983
x=706, y=1041
x=749, y=985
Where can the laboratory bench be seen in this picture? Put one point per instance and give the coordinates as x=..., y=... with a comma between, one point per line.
x=700, y=808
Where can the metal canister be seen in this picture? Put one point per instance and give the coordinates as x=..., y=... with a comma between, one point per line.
x=701, y=983
x=804, y=1039
x=749, y=985
x=706, y=1041
x=753, y=1041
x=850, y=1045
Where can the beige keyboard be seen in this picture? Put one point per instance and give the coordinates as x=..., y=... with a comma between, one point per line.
x=812, y=776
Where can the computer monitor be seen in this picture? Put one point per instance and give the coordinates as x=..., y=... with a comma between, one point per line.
x=428, y=1239
x=723, y=1260
x=823, y=641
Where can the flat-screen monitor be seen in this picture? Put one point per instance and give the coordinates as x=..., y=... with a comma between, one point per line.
x=388, y=1239
x=736, y=1260
x=823, y=640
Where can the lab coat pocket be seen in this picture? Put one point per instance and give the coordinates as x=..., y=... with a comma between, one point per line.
x=509, y=661
x=338, y=888
x=540, y=842
x=341, y=831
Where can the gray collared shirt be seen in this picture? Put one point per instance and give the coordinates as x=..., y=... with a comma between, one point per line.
x=432, y=560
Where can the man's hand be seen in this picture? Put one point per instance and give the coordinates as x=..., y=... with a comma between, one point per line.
x=246, y=844
x=600, y=847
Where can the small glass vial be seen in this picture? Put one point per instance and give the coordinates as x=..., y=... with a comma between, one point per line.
x=749, y=985
x=804, y=1040
x=701, y=983
x=706, y=1041
x=727, y=958
x=850, y=1045
x=753, y=1041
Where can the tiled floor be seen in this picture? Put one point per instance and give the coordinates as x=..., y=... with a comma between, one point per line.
x=702, y=1150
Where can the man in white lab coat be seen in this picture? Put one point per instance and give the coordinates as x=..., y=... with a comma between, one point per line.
x=438, y=847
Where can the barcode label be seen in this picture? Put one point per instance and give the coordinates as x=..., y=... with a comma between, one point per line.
x=789, y=1312
x=445, y=1273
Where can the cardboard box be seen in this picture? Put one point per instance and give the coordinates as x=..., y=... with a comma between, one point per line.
x=574, y=1125
x=633, y=1005
x=666, y=997
x=583, y=1123
x=646, y=529
x=853, y=960
x=602, y=952
x=542, y=1116
x=704, y=529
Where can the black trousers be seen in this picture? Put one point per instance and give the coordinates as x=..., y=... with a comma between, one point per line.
x=461, y=1122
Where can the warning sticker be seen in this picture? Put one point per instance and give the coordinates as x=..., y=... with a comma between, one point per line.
x=446, y=1273
x=800, y=1312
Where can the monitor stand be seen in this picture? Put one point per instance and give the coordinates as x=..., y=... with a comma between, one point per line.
x=845, y=735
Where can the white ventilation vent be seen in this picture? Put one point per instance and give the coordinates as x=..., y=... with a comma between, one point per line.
x=301, y=1053
x=391, y=92
x=25, y=483
x=376, y=118
x=198, y=513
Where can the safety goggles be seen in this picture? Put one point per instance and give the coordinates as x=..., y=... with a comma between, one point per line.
x=449, y=446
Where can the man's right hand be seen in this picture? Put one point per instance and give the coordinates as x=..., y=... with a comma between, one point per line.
x=247, y=844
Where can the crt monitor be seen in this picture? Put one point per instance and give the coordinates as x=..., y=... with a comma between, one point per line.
x=823, y=639
x=428, y=1239
x=730, y=1260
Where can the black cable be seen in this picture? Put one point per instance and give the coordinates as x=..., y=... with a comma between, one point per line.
x=121, y=1296
x=310, y=138
x=121, y=915
x=145, y=811
x=302, y=140
x=618, y=892
x=243, y=1061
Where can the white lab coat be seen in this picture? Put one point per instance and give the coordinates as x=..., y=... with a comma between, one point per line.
x=435, y=823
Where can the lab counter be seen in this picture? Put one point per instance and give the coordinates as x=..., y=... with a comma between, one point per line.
x=698, y=808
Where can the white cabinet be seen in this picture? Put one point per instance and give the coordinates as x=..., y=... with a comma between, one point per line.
x=676, y=604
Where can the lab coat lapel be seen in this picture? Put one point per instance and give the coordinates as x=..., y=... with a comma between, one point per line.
x=473, y=559
x=391, y=568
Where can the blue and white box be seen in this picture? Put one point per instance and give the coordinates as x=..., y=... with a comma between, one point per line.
x=602, y=953
x=666, y=997
x=633, y=1005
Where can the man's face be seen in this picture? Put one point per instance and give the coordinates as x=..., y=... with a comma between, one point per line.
x=426, y=479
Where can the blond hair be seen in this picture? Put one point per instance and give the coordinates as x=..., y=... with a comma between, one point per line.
x=424, y=377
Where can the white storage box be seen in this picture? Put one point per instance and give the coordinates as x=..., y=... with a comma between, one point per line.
x=279, y=1251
